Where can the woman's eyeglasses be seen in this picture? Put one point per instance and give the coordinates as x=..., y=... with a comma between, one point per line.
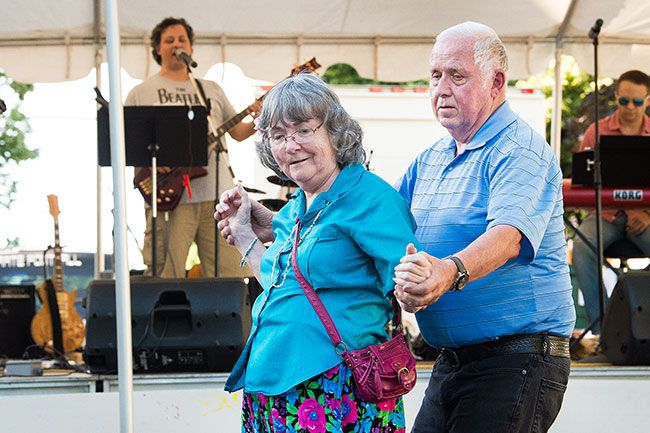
x=303, y=135
x=636, y=101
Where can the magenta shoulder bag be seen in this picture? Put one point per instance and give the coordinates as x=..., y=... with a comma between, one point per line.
x=381, y=371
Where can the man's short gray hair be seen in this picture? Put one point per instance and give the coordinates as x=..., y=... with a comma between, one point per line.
x=489, y=51
x=299, y=99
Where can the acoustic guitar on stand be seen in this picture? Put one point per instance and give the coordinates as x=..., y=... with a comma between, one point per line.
x=57, y=317
x=172, y=184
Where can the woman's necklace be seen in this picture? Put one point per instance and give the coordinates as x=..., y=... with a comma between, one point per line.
x=276, y=259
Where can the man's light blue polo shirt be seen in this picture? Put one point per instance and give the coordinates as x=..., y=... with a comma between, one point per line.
x=506, y=175
x=348, y=256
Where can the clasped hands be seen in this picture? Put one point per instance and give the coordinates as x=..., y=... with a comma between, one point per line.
x=421, y=279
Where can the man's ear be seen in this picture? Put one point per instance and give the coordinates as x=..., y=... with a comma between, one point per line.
x=499, y=82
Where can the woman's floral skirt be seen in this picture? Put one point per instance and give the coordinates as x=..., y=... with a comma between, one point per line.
x=323, y=404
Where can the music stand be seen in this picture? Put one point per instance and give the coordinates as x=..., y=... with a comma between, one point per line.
x=165, y=136
x=624, y=162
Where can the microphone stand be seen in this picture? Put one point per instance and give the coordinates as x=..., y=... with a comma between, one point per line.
x=598, y=181
x=218, y=149
x=593, y=35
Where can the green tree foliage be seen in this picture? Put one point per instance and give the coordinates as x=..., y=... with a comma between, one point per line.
x=343, y=73
x=14, y=127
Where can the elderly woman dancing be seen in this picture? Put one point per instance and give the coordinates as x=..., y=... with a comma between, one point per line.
x=353, y=230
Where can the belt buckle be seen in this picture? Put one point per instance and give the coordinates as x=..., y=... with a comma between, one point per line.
x=450, y=356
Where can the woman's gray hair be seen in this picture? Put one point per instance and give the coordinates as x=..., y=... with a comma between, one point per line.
x=299, y=99
x=489, y=52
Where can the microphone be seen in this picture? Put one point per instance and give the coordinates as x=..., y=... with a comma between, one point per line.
x=3, y=106
x=595, y=29
x=181, y=54
x=100, y=98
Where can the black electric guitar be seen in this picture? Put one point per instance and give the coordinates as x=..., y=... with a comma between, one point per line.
x=171, y=184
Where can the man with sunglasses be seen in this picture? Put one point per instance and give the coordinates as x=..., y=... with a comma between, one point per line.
x=632, y=98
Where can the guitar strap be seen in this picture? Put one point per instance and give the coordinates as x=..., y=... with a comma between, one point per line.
x=205, y=98
x=220, y=147
x=53, y=303
x=57, y=333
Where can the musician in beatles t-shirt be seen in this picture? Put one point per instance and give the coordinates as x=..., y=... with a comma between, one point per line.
x=192, y=219
x=632, y=99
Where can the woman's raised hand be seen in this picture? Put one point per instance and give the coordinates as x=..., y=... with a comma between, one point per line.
x=233, y=214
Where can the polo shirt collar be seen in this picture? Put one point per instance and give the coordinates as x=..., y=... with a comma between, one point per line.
x=497, y=122
x=613, y=124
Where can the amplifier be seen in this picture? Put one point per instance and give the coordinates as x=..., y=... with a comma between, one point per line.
x=17, y=306
x=178, y=325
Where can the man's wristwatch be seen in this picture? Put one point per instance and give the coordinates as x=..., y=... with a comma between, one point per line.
x=462, y=278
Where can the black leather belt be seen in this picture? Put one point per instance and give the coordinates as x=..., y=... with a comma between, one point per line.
x=541, y=344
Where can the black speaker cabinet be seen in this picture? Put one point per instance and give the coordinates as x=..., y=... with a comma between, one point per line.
x=178, y=325
x=16, y=312
x=626, y=329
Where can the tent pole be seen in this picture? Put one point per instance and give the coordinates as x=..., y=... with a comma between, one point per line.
x=556, y=111
x=122, y=283
x=99, y=254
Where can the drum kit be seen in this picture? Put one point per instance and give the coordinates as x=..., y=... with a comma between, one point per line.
x=288, y=187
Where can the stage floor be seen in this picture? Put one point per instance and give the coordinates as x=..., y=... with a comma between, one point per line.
x=600, y=398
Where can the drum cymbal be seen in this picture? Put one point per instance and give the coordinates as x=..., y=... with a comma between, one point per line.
x=253, y=190
x=277, y=180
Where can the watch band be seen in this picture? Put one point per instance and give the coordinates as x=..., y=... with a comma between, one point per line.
x=462, y=277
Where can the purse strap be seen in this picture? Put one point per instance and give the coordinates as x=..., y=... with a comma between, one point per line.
x=318, y=305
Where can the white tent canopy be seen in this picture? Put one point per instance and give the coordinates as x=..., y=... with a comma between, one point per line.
x=383, y=39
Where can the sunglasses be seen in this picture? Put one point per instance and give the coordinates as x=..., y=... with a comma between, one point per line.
x=636, y=101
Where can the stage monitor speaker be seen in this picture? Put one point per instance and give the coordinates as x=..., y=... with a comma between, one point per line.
x=16, y=313
x=626, y=329
x=178, y=325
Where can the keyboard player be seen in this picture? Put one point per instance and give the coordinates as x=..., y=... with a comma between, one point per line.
x=632, y=98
